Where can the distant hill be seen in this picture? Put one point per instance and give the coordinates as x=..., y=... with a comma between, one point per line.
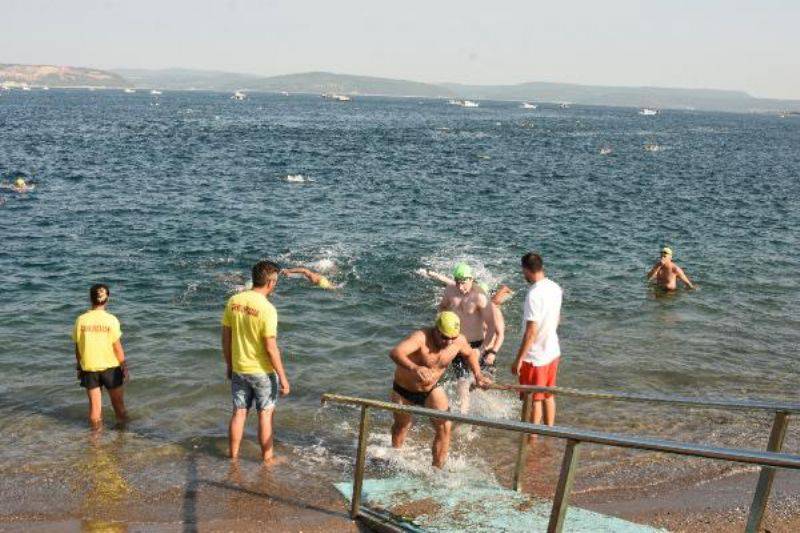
x=321, y=82
x=309, y=82
x=658, y=97
x=58, y=76
x=188, y=79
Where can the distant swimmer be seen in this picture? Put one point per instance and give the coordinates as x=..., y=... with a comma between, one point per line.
x=665, y=273
x=539, y=352
x=252, y=358
x=20, y=185
x=422, y=358
x=100, y=357
x=478, y=324
x=316, y=279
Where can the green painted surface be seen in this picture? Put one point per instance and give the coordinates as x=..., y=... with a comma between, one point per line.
x=442, y=507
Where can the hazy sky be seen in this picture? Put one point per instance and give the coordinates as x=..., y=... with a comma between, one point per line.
x=734, y=44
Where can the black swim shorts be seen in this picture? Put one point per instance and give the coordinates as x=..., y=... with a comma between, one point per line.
x=110, y=378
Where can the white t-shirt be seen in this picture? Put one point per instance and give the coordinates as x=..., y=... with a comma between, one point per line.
x=543, y=306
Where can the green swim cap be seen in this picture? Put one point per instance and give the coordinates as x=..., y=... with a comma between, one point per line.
x=462, y=271
x=448, y=324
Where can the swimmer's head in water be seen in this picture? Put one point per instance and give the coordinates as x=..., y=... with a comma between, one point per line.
x=324, y=283
x=666, y=251
x=99, y=294
x=19, y=182
x=448, y=325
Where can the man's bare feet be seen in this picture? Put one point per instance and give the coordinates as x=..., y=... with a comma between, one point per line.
x=272, y=460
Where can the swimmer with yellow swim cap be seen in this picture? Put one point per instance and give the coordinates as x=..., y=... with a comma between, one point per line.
x=316, y=279
x=422, y=359
x=665, y=274
x=20, y=185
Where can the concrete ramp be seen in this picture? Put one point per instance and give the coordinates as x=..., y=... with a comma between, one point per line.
x=419, y=506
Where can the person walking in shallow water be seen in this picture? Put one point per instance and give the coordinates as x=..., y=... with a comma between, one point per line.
x=100, y=357
x=252, y=358
x=421, y=360
x=540, y=351
x=665, y=273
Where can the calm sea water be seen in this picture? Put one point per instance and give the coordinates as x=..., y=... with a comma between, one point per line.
x=171, y=200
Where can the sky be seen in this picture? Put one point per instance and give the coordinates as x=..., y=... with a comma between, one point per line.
x=747, y=45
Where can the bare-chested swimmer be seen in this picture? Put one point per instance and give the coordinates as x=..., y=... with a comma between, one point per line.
x=315, y=279
x=421, y=360
x=666, y=274
x=478, y=325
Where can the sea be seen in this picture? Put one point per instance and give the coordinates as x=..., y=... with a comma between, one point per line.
x=171, y=199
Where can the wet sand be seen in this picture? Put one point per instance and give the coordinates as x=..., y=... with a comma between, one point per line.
x=205, y=492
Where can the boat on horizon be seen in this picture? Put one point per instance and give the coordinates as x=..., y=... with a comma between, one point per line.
x=239, y=95
x=336, y=97
x=155, y=92
x=528, y=105
x=464, y=103
x=284, y=93
x=130, y=91
x=648, y=111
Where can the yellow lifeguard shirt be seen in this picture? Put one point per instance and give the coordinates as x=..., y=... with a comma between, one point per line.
x=251, y=318
x=95, y=333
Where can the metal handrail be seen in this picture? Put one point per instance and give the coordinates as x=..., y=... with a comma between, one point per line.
x=573, y=436
x=710, y=403
x=775, y=444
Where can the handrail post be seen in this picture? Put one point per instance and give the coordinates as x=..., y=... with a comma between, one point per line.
x=564, y=487
x=522, y=451
x=361, y=455
x=767, y=475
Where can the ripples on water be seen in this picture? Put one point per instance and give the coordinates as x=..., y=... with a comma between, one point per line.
x=171, y=204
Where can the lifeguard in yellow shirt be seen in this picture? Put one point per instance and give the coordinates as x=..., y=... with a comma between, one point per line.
x=252, y=357
x=100, y=357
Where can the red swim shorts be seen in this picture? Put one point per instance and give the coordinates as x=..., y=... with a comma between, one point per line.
x=541, y=376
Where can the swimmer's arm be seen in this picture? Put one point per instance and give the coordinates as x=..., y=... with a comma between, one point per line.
x=473, y=360
x=683, y=278
x=500, y=323
x=653, y=271
x=312, y=277
x=401, y=353
x=527, y=341
x=226, y=350
x=441, y=278
x=274, y=354
x=487, y=314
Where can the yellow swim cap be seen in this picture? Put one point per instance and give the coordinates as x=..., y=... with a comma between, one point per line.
x=324, y=283
x=666, y=250
x=19, y=182
x=448, y=324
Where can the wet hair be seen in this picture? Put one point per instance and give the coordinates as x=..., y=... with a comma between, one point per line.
x=99, y=293
x=532, y=262
x=263, y=271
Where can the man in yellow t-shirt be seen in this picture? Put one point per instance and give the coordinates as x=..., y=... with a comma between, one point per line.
x=252, y=357
x=100, y=357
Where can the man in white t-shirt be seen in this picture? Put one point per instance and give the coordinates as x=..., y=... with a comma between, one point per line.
x=539, y=353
